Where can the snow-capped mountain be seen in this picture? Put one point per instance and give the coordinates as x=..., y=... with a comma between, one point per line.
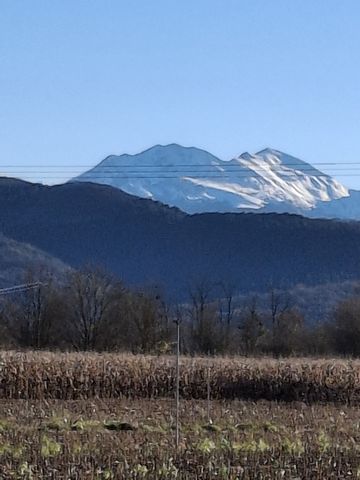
x=196, y=181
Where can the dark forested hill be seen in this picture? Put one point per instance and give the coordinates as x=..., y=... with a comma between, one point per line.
x=18, y=259
x=146, y=242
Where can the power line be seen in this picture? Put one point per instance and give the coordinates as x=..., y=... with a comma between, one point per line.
x=179, y=171
x=20, y=288
x=187, y=175
x=222, y=164
x=65, y=168
x=203, y=168
x=176, y=169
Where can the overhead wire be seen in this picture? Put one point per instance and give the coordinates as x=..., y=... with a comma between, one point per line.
x=20, y=288
x=171, y=171
x=223, y=163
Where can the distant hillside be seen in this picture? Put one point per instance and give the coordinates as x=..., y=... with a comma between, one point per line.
x=346, y=208
x=146, y=242
x=16, y=258
x=316, y=302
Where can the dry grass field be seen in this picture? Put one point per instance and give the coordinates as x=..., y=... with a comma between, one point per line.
x=88, y=416
x=84, y=376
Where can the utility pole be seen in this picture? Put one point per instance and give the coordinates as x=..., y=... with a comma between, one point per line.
x=208, y=394
x=177, y=392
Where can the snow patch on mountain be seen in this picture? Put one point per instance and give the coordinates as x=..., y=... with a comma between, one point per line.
x=282, y=178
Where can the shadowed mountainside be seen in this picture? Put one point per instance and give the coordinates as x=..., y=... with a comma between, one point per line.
x=143, y=241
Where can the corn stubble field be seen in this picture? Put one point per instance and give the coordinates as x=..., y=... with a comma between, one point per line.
x=89, y=416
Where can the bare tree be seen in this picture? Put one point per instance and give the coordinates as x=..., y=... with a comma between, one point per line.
x=150, y=318
x=226, y=310
x=251, y=327
x=90, y=293
x=344, y=330
x=205, y=328
x=26, y=313
x=279, y=303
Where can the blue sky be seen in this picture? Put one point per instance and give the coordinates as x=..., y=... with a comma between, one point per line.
x=81, y=79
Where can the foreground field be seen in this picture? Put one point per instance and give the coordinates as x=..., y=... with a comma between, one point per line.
x=88, y=416
x=85, y=376
x=135, y=440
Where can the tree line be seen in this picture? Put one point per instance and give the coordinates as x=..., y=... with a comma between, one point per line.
x=91, y=310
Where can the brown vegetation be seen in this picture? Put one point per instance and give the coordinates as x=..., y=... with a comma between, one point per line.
x=84, y=376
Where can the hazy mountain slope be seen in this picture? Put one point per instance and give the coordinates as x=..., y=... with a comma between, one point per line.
x=347, y=208
x=17, y=258
x=196, y=181
x=143, y=241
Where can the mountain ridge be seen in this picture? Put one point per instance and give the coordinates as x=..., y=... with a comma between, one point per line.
x=145, y=242
x=269, y=180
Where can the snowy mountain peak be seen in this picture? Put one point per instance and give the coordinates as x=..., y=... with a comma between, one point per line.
x=276, y=160
x=271, y=151
x=275, y=157
x=196, y=181
x=286, y=183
